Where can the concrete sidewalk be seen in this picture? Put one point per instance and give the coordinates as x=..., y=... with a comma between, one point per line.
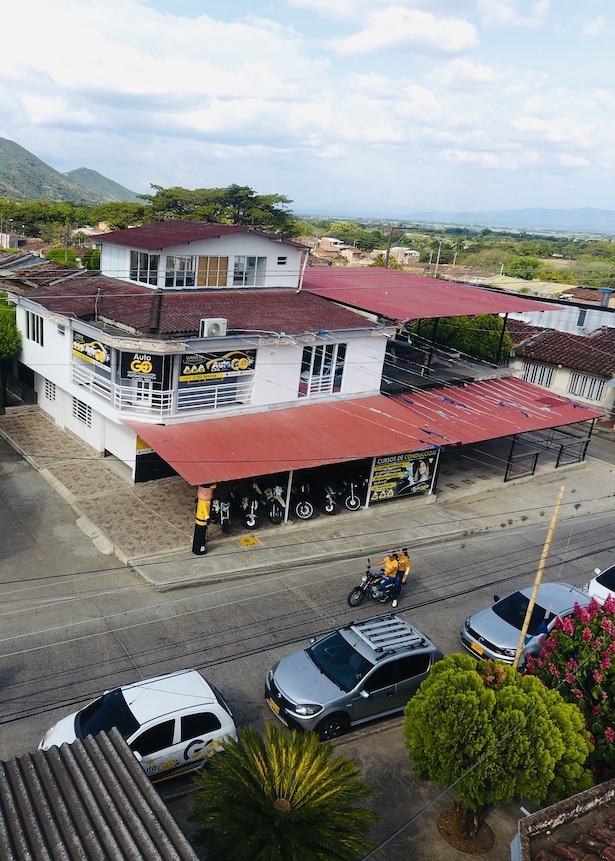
x=150, y=526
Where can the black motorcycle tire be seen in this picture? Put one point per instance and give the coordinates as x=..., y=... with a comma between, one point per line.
x=356, y=597
x=352, y=503
x=225, y=526
x=251, y=521
x=330, y=507
x=304, y=509
x=276, y=513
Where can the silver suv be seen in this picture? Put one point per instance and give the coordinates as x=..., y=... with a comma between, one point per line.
x=367, y=670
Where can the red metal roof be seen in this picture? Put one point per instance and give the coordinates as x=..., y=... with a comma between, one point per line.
x=163, y=234
x=404, y=296
x=225, y=449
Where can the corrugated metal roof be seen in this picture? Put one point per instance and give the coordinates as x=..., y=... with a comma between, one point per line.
x=405, y=296
x=164, y=234
x=309, y=435
x=87, y=800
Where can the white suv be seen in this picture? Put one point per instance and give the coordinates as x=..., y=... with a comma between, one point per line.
x=172, y=723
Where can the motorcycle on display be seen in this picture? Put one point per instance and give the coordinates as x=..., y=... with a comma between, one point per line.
x=302, y=504
x=352, y=498
x=330, y=498
x=370, y=587
x=250, y=505
x=276, y=505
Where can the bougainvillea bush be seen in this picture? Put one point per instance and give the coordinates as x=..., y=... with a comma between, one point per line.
x=578, y=660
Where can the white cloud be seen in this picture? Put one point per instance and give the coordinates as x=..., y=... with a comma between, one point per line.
x=596, y=27
x=506, y=13
x=460, y=74
x=397, y=28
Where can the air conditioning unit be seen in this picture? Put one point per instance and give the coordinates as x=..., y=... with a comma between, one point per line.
x=213, y=328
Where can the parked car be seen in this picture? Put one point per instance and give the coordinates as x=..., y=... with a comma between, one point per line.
x=172, y=723
x=602, y=585
x=366, y=670
x=495, y=632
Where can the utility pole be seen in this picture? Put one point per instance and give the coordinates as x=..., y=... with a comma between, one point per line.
x=541, y=566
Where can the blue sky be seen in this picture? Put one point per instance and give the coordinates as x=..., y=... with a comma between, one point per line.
x=344, y=106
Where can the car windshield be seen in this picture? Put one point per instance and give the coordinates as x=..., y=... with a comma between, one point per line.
x=607, y=578
x=336, y=658
x=513, y=609
x=104, y=713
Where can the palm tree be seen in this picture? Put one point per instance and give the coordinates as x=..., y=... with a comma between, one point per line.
x=282, y=797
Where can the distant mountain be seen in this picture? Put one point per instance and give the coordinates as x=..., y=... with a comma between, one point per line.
x=23, y=176
x=585, y=220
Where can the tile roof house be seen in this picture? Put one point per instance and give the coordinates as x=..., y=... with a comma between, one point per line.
x=89, y=799
x=579, y=366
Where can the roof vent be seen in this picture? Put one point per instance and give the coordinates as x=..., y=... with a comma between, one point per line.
x=214, y=327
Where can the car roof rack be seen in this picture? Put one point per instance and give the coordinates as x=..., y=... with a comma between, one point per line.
x=386, y=633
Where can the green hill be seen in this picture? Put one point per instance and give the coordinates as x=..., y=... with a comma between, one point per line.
x=23, y=176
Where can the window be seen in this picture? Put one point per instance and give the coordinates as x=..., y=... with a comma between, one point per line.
x=199, y=724
x=384, y=677
x=249, y=271
x=212, y=271
x=282, y=261
x=82, y=412
x=61, y=330
x=540, y=375
x=154, y=739
x=144, y=267
x=581, y=317
x=50, y=390
x=322, y=368
x=180, y=271
x=412, y=665
x=586, y=387
x=34, y=328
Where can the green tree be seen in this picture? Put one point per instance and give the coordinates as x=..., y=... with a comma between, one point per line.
x=483, y=337
x=91, y=258
x=232, y=205
x=10, y=346
x=523, y=267
x=578, y=659
x=282, y=797
x=480, y=728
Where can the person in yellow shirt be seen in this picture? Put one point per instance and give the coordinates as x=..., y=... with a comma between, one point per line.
x=390, y=569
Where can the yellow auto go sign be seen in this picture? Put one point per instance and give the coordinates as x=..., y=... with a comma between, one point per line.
x=141, y=365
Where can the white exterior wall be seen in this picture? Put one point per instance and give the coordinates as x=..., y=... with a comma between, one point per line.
x=560, y=383
x=115, y=259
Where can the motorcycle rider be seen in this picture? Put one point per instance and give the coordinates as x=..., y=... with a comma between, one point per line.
x=390, y=569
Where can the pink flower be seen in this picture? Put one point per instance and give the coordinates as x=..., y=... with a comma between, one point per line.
x=606, y=624
x=572, y=665
x=605, y=661
x=554, y=671
x=597, y=677
x=609, y=734
x=586, y=635
x=577, y=693
x=609, y=605
x=567, y=625
x=584, y=615
x=596, y=711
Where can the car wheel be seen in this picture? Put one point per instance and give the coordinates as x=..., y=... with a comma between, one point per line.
x=332, y=726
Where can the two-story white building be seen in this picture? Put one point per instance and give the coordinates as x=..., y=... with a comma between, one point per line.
x=216, y=352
